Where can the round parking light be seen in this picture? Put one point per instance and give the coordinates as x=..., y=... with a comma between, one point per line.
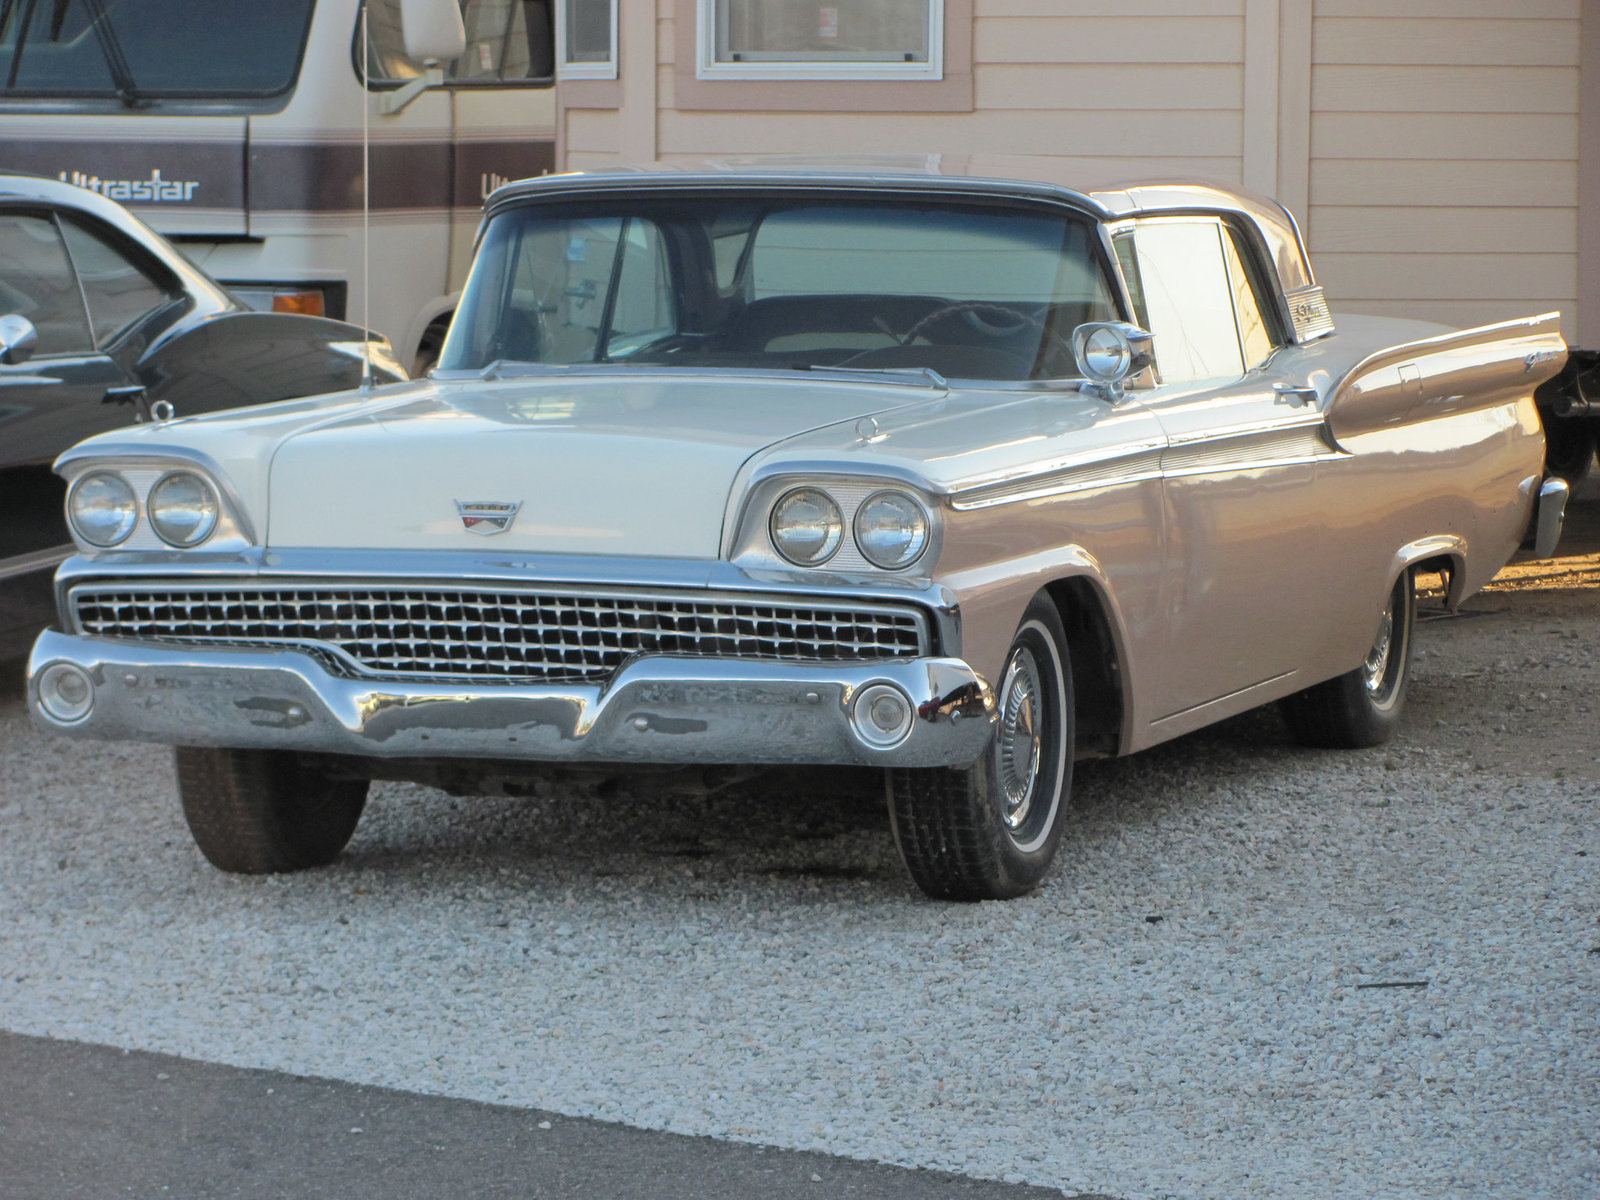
x=66, y=693
x=882, y=716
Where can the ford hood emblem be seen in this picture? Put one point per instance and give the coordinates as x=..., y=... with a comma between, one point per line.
x=487, y=516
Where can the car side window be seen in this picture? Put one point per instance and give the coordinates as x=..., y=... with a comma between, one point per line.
x=1189, y=287
x=37, y=282
x=119, y=293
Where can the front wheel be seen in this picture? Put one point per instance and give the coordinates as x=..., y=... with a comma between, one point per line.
x=258, y=812
x=1362, y=707
x=990, y=831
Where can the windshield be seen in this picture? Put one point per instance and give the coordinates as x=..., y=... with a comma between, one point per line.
x=137, y=50
x=974, y=292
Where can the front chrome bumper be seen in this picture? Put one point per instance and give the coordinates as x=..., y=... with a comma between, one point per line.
x=654, y=710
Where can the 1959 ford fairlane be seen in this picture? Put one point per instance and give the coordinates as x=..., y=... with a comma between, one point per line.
x=960, y=478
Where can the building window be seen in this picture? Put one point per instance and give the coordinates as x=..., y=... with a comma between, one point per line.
x=586, y=39
x=802, y=39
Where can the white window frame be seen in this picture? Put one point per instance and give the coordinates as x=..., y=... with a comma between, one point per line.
x=583, y=70
x=707, y=66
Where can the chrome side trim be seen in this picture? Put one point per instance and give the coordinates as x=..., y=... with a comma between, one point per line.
x=1248, y=448
x=1098, y=472
x=37, y=560
x=1277, y=445
x=656, y=710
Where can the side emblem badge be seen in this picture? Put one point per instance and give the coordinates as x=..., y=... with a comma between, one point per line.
x=487, y=516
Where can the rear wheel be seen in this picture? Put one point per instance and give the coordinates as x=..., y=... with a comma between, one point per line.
x=258, y=812
x=1362, y=707
x=990, y=831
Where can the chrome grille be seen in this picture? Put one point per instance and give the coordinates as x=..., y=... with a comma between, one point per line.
x=472, y=633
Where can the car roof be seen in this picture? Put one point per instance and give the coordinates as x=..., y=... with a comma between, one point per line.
x=993, y=175
x=60, y=194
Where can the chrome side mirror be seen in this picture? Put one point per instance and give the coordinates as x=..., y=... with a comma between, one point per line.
x=1107, y=352
x=18, y=339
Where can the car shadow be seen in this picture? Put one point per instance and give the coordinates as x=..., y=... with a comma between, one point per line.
x=822, y=830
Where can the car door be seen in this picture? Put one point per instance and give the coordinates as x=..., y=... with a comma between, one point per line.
x=91, y=307
x=1244, y=571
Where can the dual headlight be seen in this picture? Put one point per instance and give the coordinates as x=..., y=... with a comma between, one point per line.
x=182, y=509
x=890, y=528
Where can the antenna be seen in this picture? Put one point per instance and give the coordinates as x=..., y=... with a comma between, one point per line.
x=366, y=209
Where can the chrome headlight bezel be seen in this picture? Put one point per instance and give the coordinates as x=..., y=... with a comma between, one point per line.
x=830, y=515
x=230, y=532
x=210, y=502
x=74, y=494
x=917, y=543
x=750, y=543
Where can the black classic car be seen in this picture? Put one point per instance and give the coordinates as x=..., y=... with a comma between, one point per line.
x=103, y=323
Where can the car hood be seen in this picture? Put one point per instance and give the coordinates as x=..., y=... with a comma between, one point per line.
x=641, y=465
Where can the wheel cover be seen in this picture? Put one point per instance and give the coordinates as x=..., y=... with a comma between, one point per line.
x=1376, y=668
x=1019, y=742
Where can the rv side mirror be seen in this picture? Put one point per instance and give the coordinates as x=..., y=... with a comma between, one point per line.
x=432, y=30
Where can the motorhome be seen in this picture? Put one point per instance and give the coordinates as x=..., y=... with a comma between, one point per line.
x=244, y=132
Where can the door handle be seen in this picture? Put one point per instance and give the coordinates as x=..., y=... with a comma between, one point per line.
x=133, y=394
x=1288, y=393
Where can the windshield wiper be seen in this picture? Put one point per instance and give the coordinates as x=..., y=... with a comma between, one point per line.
x=110, y=46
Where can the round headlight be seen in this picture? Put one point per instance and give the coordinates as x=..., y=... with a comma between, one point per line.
x=891, y=530
x=807, y=527
x=182, y=508
x=102, y=508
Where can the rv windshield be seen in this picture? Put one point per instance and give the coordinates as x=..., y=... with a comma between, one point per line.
x=136, y=51
x=788, y=282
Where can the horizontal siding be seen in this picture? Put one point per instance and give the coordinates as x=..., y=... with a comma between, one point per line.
x=1407, y=41
x=1153, y=40
x=1107, y=87
x=1460, y=136
x=592, y=130
x=1538, y=9
x=1453, y=184
x=1444, y=146
x=1348, y=89
x=1482, y=230
x=590, y=160
x=1463, y=314
x=1448, y=276
x=1119, y=9
x=1152, y=134
x=1086, y=172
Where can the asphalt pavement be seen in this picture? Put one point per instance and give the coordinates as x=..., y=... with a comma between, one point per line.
x=83, y=1122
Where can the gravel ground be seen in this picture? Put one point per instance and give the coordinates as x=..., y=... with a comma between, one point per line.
x=1256, y=969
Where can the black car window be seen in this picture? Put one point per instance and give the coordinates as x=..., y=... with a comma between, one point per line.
x=118, y=292
x=36, y=281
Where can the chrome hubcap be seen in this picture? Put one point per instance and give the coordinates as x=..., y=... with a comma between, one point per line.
x=1018, y=744
x=1377, y=664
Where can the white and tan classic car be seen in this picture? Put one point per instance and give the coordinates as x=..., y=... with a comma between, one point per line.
x=961, y=478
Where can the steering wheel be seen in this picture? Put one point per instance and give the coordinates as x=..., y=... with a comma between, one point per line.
x=979, y=314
